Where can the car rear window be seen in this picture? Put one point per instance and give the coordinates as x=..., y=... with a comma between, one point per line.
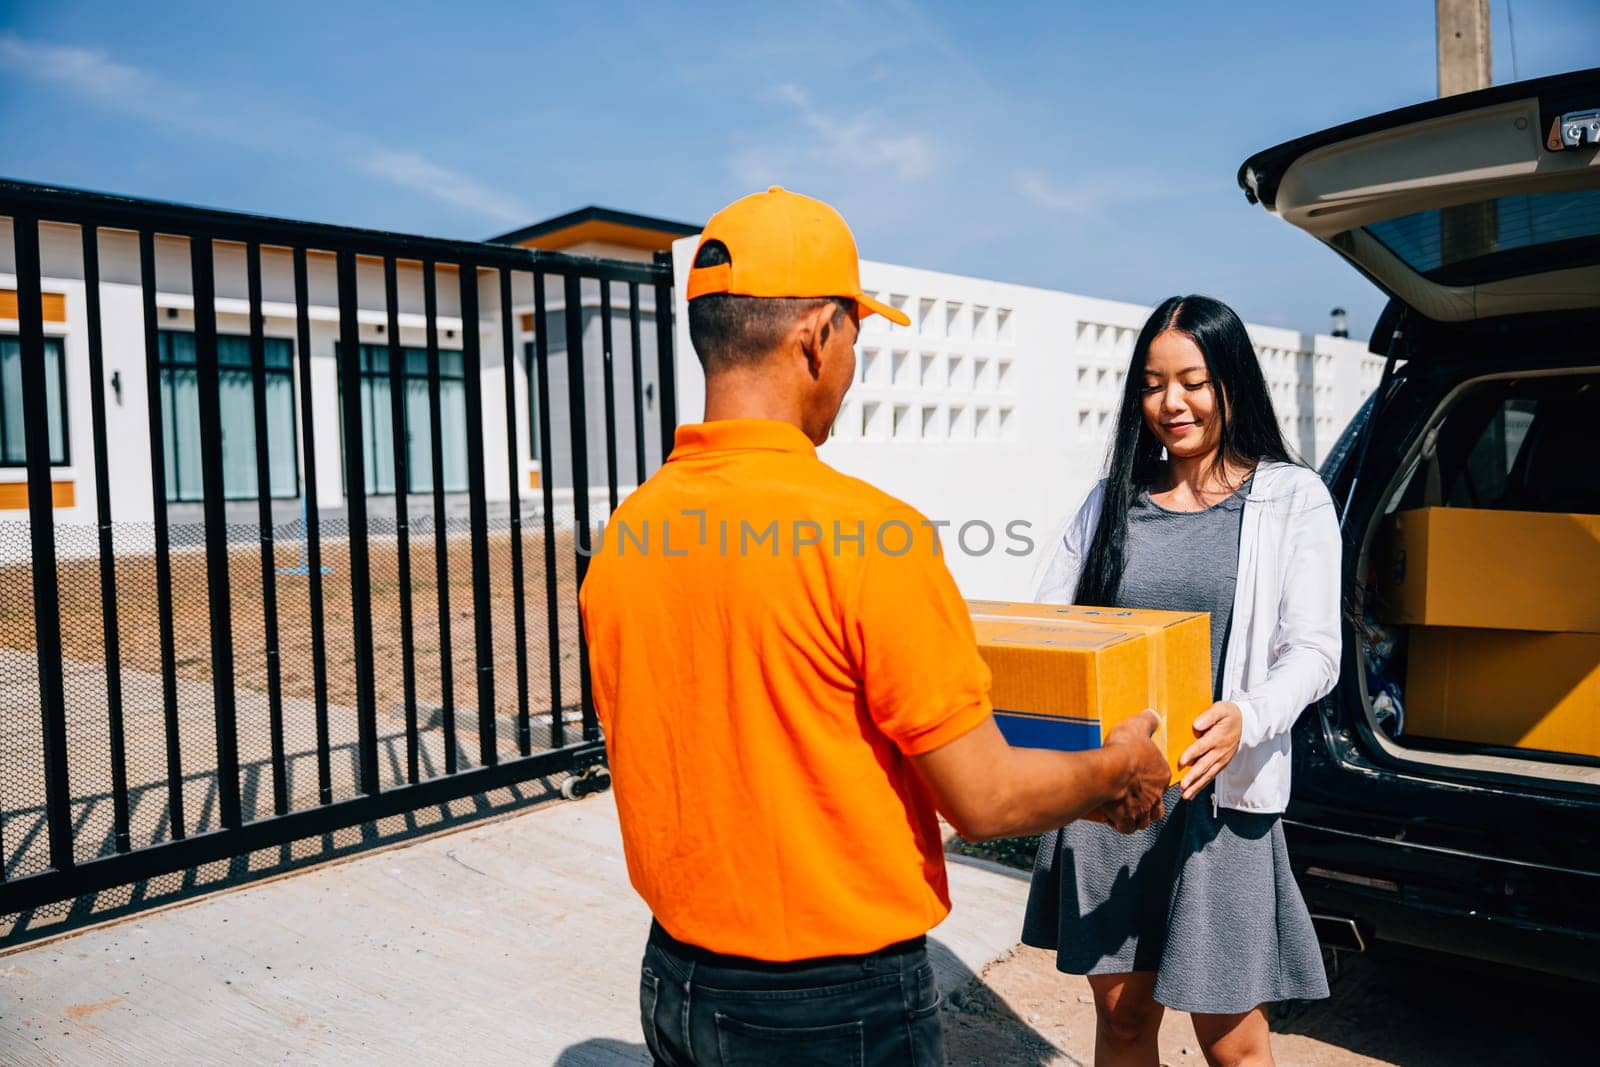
x=1513, y=444
x=1499, y=238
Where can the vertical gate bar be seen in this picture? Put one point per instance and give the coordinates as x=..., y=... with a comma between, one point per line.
x=356, y=508
x=441, y=559
x=313, y=530
x=401, y=438
x=223, y=698
x=638, y=384
x=547, y=471
x=163, y=547
x=610, y=391
x=478, y=505
x=514, y=468
x=667, y=371
x=108, y=556
x=42, y=528
x=269, y=560
x=578, y=412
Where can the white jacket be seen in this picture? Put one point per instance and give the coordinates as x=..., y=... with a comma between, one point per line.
x=1283, y=645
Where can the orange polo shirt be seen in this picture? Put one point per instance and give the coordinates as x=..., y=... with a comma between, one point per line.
x=769, y=640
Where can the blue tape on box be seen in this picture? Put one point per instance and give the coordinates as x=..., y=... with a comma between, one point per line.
x=1022, y=730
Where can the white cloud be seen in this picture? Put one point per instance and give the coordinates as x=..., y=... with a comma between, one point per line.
x=854, y=143
x=1038, y=189
x=91, y=72
x=912, y=24
x=414, y=172
x=119, y=87
x=116, y=86
x=792, y=94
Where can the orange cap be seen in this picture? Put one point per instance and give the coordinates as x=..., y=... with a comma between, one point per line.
x=783, y=244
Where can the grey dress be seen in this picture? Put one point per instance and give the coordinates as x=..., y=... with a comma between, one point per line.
x=1204, y=898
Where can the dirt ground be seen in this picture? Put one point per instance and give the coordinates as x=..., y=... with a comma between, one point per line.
x=149, y=746
x=138, y=628
x=1383, y=1010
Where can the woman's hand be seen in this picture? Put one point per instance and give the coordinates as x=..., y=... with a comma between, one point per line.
x=1217, y=731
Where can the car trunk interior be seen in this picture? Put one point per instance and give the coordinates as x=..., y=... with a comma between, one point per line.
x=1479, y=611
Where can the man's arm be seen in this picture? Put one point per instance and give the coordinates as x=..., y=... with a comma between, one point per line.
x=988, y=789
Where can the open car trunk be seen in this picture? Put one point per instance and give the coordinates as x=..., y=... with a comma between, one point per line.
x=1466, y=208
x=1477, y=599
x=1478, y=611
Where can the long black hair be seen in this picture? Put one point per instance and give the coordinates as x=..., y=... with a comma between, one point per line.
x=1249, y=427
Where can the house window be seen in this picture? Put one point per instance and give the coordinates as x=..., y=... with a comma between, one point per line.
x=377, y=421
x=13, y=436
x=180, y=417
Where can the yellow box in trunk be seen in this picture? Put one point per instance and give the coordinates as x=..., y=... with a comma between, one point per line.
x=1064, y=675
x=1509, y=688
x=1496, y=570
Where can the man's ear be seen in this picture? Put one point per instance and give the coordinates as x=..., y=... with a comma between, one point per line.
x=815, y=328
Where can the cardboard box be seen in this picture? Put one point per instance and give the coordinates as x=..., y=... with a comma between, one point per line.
x=1497, y=570
x=1508, y=688
x=1064, y=675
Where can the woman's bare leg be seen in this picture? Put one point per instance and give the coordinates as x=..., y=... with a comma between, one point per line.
x=1127, y=1019
x=1242, y=1040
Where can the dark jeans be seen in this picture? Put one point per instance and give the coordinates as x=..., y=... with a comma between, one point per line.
x=704, y=1009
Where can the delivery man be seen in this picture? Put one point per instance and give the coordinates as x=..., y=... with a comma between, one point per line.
x=790, y=687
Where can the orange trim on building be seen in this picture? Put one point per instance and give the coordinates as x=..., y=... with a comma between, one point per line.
x=533, y=479
x=54, y=305
x=601, y=230
x=14, y=495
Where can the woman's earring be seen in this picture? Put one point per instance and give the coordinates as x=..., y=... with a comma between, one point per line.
x=1163, y=453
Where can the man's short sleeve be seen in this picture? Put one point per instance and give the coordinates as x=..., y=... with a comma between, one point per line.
x=912, y=639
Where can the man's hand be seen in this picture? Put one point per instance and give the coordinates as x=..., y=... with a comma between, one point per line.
x=1217, y=732
x=988, y=789
x=1140, y=803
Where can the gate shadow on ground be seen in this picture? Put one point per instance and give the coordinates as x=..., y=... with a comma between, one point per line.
x=121, y=901
x=978, y=1027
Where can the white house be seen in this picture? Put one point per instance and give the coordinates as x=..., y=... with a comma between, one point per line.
x=591, y=231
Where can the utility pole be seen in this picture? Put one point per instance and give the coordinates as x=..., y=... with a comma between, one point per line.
x=1463, y=45
x=1466, y=231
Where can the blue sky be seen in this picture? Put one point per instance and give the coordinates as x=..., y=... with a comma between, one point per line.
x=1084, y=146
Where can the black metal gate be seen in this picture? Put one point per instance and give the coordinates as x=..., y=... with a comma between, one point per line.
x=185, y=683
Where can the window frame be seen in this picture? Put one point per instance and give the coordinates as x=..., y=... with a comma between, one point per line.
x=365, y=375
x=60, y=342
x=165, y=363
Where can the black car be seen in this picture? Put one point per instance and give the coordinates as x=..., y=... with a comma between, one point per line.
x=1477, y=831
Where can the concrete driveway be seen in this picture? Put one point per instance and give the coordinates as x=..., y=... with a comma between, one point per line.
x=514, y=941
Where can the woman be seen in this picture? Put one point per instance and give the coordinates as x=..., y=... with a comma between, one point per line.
x=1203, y=510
